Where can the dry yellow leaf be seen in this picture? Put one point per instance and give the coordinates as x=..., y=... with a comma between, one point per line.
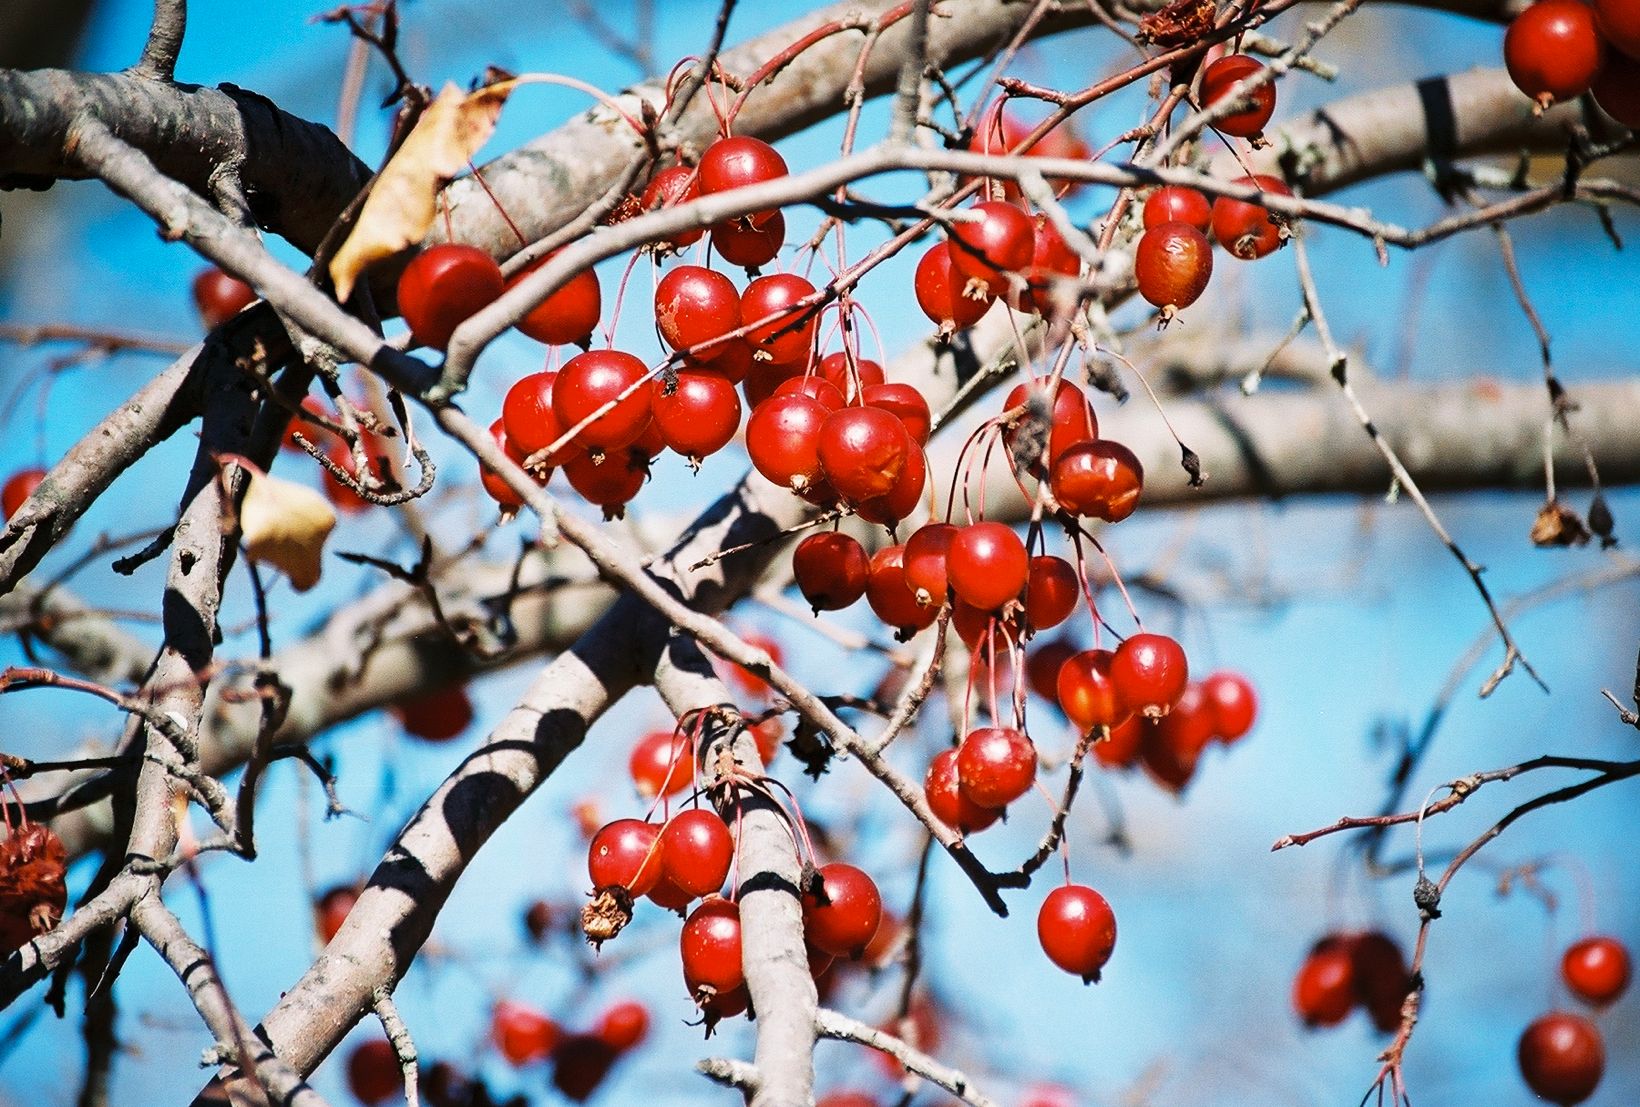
x=403, y=202
x=285, y=525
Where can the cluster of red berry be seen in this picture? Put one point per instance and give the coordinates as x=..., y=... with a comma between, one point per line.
x=1559, y=49
x=1347, y=970
x=1562, y=1055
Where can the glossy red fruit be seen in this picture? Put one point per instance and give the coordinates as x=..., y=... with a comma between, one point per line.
x=831, y=570
x=662, y=763
x=764, y=379
x=1171, y=747
x=842, y=915
x=946, y=800
x=667, y=895
x=18, y=488
x=580, y=1064
x=850, y=378
x=590, y=380
x=1087, y=693
x=1070, y=420
x=1100, y=479
x=1172, y=264
x=1617, y=89
x=814, y=387
x=610, y=483
x=539, y=919
x=1382, y=979
x=444, y=285
x=862, y=451
x=670, y=187
x=499, y=490
x=331, y=911
x=1324, y=990
x=1176, y=203
x=1553, y=50
x=739, y=242
x=696, y=849
x=1217, y=81
x=567, y=315
x=733, y=359
x=1234, y=704
x=1596, y=969
x=716, y=1008
x=700, y=416
x=626, y=852
x=927, y=568
x=219, y=297
x=1051, y=257
x=995, y=766
x=1051, y=591
x=373, y=1073
x=710, y=948
x=1077, y=930
x=1120, y=749
x=987, y=564
x=905, y=403
x=1562, y=1057
x=738, y=162
x=1150, y=672
x=1001, y=132
x=940, y=291
x=981, y=631
x=528, y=419
x=891, y=598
x=781, y=326
x=436, y=716
x=522, y=1034
x=1247, y=230
x=783, y=440
x=1042, y=667
x=694, y=306
x=903, y=499
x=1619, y=23
x=984, y=251
x=623, y=1025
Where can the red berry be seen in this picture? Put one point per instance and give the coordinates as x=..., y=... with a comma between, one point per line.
x=740, y=242
x=696, y=849
x=1100, y=479
x=343, y=497
x=1562, y=1057
x=609, y=482
x=1051, y=256
x=946, y=800
x=693, y=306
x=1596, y=970
x=850, y=378
x=842, y=915
x=987, y=564
x=1042, y=667
x=783, y=440
x=590, y=380
x=747, y=681
x=1171, y=747
x=1120, y=748
x=781, y=327
x=331, y=911
x=1233, y=702
x=1070, y=420
x=863, y=451
x=1150, y=672
x=710, y=948
x=1246, y=229
x=831, y=570
x=995, y=766
x=901, y=500
x=623, y=1025
x=522, y=1034
x=579, y=1065
x=700, y=416
x=814, y=387
x=18, y=488
x=669, y=896
x=626, y=852
x=436, y=716
x=1001, y=241
x=1324, y=989
x=891, y=598
x=905, y=402
x=539, y=918
x=1087, y=693
x=1172, y=264
x=1077, y=930
x=373, y=1073
x=1553, y=50
x=443, y=286
x=528, y=419
x=738, y=162
x=1217, y=80
x=1382, y=979
x=846, y=1099
x=927, y=562
x=567, y=315
x=940, y=292
x=670, y=187
x=1619, y=22
x=662, y=763
x=219, y=297
x=1617, y=89
x=500, y=491
x=1176, y=203
x=1051, y=592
